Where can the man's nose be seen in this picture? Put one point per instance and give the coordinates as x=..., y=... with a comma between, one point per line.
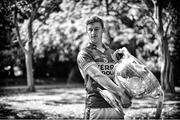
x=93, y=32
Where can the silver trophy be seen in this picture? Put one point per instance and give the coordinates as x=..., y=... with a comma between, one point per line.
x=137, y=79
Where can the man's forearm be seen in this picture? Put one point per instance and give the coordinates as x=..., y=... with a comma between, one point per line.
x=103, y=80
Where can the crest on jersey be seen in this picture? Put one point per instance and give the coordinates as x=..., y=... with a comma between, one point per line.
x=105, y=60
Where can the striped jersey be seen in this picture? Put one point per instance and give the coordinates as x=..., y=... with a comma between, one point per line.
x=105, y=63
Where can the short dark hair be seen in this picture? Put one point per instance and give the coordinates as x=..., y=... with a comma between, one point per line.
x=95, y=19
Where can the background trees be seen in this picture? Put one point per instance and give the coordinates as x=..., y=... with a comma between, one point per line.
x=58, y=32
x=162, y=25
x=26, y=10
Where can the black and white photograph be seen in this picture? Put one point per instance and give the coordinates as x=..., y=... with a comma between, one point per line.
x=90, y=59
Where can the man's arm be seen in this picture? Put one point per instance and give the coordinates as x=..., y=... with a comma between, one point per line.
x=108, y=84
x=88, y=66
x=103, y=80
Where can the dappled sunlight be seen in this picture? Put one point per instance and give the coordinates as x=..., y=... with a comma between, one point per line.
x=171, y=111
x=141, y=108
x=146, y=108
x=70, y=103
x=67, y=102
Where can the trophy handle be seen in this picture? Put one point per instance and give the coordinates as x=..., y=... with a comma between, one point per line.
x=112, y=100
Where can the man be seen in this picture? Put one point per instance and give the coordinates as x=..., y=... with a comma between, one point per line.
x=96, y=64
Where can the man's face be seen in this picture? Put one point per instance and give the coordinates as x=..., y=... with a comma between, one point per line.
x=95, y=31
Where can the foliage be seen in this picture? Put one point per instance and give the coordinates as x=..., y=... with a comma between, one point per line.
x=9, y=43
x=59, y=29
x=12, y=57
x=9, y=51
x=5, y=24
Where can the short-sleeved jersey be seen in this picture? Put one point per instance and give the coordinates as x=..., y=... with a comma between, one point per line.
x=91, y=55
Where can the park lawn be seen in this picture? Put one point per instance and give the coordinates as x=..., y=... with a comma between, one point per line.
x=67, y=101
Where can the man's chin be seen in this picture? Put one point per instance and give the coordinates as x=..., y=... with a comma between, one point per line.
x=94, y=41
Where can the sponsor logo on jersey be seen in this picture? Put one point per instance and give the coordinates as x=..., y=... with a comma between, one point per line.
x=106, y=68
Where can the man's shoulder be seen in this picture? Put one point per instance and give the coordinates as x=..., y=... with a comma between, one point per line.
x=87, y=50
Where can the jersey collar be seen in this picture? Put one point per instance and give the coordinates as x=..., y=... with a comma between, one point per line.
x=95, y=47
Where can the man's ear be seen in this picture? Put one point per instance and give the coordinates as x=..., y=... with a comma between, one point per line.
x=103, y=29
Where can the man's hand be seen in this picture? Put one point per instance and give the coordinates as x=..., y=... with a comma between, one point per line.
x=126, y=100
x=128, y=93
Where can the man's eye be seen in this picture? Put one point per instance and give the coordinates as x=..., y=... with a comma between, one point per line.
x=96, y=29
x=90, y=30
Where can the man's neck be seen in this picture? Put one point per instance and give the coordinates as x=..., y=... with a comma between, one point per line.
x=100, y=47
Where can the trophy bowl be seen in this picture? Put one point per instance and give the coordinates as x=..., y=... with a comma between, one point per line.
x=137, y=79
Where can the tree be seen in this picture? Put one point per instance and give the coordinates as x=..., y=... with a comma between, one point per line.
x=59, y=34
x=33, y=7
x=167, y=80
x=7, y=48
x=27, y=49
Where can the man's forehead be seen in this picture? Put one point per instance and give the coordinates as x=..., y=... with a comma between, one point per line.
x=96, y=24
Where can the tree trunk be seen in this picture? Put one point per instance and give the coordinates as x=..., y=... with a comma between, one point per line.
x=107, y=7
x=27, y=49
x=29, y=54
x=167, y=80
x=29, y=71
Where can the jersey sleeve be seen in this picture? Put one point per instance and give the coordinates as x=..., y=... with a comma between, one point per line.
x=84, y=60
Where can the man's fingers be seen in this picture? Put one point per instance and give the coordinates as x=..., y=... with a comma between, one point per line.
x=128, y=94
x=126, y=105
x=126, y=102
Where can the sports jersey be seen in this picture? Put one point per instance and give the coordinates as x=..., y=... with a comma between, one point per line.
x=91, y=55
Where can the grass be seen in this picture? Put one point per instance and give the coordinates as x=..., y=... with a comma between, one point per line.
x=66, y=101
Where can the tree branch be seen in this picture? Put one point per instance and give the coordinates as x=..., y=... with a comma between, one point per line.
x=31, y=19
x=17, y=30
x=37, y=29
x=167, y=28
x=30, y=22
x=107, y=7
x=169, y=22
